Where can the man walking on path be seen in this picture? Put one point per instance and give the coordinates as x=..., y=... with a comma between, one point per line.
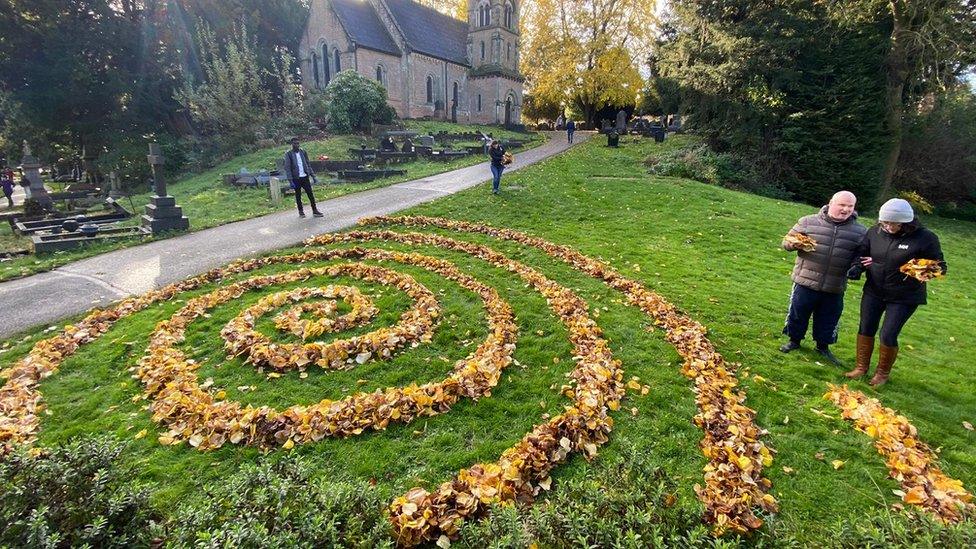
x=570, y=130
x=299, y=172
x=820, y=276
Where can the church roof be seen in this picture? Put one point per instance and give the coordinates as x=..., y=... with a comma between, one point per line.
x=364, y=26
x=431, y=32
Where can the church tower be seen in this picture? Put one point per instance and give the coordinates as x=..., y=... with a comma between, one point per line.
x=493, y=35
x=495, y=83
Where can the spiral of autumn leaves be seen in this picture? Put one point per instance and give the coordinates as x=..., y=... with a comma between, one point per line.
x=733, y=489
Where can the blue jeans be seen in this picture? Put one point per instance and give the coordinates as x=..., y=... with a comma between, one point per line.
x=823, y=306
x=496, y=177
x=569, y=136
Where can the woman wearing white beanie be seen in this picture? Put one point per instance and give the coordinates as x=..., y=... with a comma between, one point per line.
x=895, y=240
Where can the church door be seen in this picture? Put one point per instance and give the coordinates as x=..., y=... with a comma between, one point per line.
x=508, y=112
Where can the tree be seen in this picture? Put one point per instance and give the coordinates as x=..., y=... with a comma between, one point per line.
x=355, y=102
x=785, y=87
x=231, y=101
x=585, y=53
x=930, y=44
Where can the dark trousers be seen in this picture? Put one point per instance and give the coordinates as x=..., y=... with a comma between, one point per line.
x=496, y=176
x=300, y=184
x=825, y=308
x=895, y=317
x=569, y=136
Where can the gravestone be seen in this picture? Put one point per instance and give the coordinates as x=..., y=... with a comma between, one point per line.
x=32, y=173
x=426, y=141
x=162, y=213
x=114, y=187
x=621, y=125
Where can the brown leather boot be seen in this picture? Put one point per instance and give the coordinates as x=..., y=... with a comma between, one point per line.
x=886, y=358
x=865, y=346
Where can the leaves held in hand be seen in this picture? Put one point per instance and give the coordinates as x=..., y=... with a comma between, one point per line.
x=801, y=241
x=922, y=270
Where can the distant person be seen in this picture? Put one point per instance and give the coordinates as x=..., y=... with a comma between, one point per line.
x=820, y=276
x=407, y=146
x=7, y=184
x=388, y=145
x=497, y=154
x=299, y=172
x=897, y=238
x=570, y=130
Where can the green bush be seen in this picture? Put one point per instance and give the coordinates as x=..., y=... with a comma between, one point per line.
x=355, y=102
x=627, y=502
x=902, y=529
x=276, y=503
x=697, y=161
x=938, y=156
x=75, y=495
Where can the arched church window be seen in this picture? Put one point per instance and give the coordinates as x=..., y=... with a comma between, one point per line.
x=482, y=51
x=508, y=51
x=430, y=89
x=315, y=69
x=379, y=73
x=484, y=14
x=325, y=64
x=479, y=102
x=335, y=60
x=509, y=15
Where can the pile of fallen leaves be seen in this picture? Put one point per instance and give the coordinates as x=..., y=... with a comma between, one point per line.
x=241, y=338
x=909, y=460
x=323, y=311
x=801, y=241
x=734, y=484
x=922, y=270
x=203, y=417
x=596, y=388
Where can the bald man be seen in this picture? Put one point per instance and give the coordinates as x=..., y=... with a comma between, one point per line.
x=820, y=276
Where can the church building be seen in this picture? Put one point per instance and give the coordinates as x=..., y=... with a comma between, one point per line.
x=431, y=64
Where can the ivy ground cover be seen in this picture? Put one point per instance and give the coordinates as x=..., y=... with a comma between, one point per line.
x=710, y=252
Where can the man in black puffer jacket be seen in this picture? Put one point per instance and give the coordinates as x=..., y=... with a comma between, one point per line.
x=895, y=240
x=820, y=276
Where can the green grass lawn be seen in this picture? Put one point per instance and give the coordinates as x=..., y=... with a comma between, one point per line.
x=207, y=202
x=713, y=252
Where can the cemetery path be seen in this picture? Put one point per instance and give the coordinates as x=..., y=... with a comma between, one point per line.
x=98, y=281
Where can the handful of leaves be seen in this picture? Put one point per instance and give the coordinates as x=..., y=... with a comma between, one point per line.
x=922, y=270
x=801, y=241
x=507, y=158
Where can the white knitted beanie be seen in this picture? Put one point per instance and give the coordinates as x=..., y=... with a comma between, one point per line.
x=896, y=210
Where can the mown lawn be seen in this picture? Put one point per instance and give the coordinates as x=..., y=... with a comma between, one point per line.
x=711, y=251
x=208, y=202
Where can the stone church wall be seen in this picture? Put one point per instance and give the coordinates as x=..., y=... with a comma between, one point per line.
x=323, y=27
x=366, y=62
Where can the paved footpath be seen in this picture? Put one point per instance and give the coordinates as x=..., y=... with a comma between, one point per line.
x=98, y=281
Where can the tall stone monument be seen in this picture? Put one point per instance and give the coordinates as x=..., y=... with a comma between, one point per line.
x=32, y=173
x=162, y=213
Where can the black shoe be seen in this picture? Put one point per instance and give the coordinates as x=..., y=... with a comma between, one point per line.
x=790, y=345
x=301, y=214
x=825, y=352
x=317, y=214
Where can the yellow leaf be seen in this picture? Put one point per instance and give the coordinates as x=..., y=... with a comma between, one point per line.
x=837, y=464
x=443, y=542
x=968, y=426
x=915, y=496
x=289, y=444
x=141, y=434
x=788, y=470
